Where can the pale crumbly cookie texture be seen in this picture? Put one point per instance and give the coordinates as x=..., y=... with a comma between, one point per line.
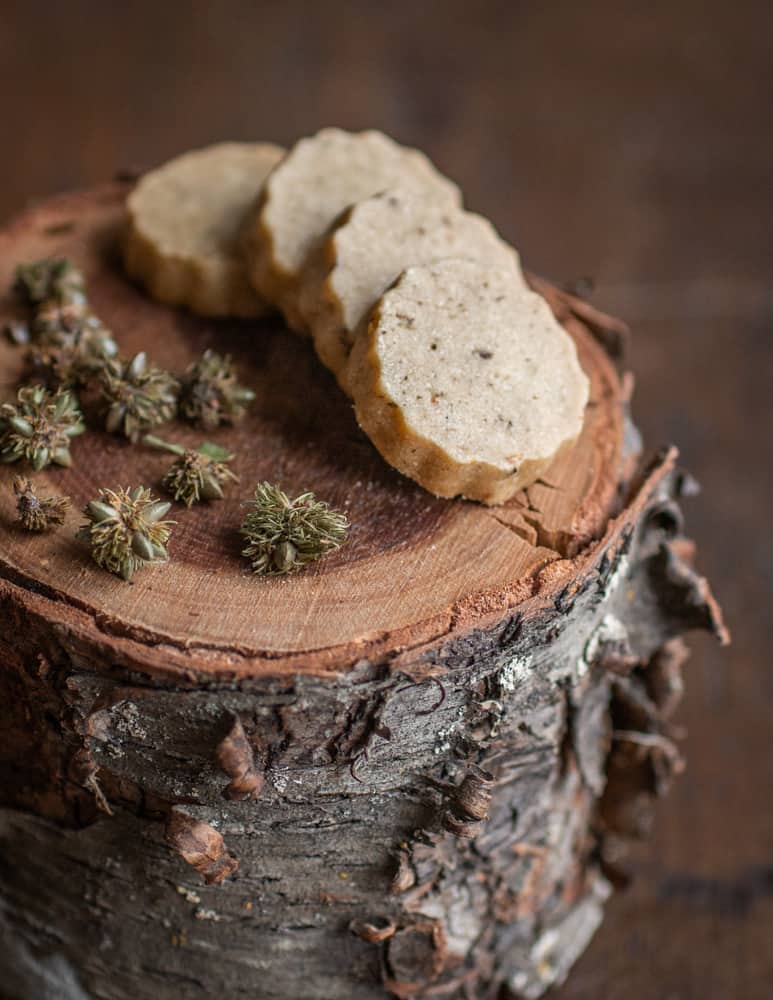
x=183, y=241
x=466, y=382
x=372, y=243
x=319, y=178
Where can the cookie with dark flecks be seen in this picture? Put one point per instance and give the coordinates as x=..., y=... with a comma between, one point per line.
x=183, y=241
x=374, y=241
x=466, y=382
x=318, y=179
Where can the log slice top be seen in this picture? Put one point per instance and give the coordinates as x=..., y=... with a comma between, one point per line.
x=415, y=566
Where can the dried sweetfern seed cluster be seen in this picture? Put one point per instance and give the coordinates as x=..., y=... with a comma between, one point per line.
x=197, y=473
x=40, y=426
x=69, y=347
x=55, y=365
x=137, y=396
x=72, y=358
x=126, y=529
x=38, y=513
x=211, y=394
x=51, y=279
x=284, y=535
x=68, y=343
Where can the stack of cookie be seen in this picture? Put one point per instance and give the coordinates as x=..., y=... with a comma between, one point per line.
x=459, y=373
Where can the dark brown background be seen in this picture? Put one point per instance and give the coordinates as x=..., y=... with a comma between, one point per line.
x=626, y=141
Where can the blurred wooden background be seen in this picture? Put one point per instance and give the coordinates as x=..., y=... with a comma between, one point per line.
x=628, y=142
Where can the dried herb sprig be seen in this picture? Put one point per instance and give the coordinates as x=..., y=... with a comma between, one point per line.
x=40, y=427
x=284, y=535
x=211, y=394
x=38, y=513
x=126, y=529
x=198, y=473
x=138, y=396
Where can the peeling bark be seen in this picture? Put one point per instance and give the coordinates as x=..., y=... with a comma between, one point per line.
x=236, y=758
x=433, y=822
x=200, y=846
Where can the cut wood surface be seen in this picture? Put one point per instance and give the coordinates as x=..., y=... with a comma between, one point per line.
x=414, y=564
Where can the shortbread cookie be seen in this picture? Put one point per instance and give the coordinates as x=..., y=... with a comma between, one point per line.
x=466, y=382
x=318, y=179
x=185, y=222
x=374, y=241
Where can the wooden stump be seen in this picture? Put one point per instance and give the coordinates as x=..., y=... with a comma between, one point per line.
x=396, y=773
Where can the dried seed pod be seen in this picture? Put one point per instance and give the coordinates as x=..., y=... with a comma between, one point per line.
x=39, y=428
x=51, y=278
x=71, y=357
x=211, y=394
x=68, y=342
x=198, y=474
x=38, y=513
x=54, y=365
x=55, y=319
x=126, y=530
x=284, y=535
x=137, y=396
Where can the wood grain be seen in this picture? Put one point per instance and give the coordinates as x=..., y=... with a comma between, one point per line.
x=414, y=563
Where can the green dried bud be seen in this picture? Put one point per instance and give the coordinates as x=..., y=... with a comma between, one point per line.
x=197, y=474
x=99, y=511
x=73, y=358
x=53, y=366
x=50, y=278
x=126, y=530
x=54, y=319
x=38, y=513
x=285, y=534
x=138, y=396
x=95, y=344
x=40, y=427
x=68, y=342
x=211, y=394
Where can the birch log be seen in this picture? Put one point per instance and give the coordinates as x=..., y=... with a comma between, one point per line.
x=398, y=773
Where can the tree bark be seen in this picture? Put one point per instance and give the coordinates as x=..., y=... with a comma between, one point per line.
x=421, y=805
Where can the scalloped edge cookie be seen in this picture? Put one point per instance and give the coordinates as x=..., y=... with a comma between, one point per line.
x=183, y=240
x=318, y=179
x=467, y=383
x=371, y=245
